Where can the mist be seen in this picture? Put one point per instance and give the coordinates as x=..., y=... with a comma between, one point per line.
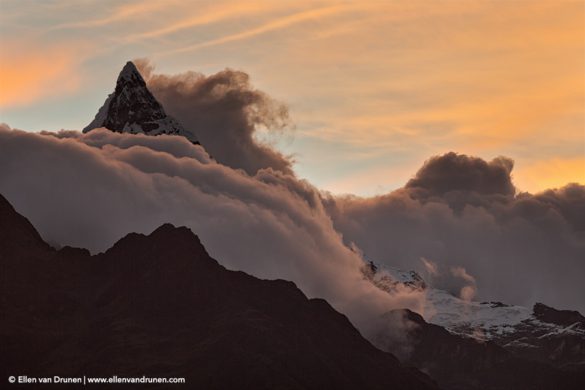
x=462, y=215
x=89, y=190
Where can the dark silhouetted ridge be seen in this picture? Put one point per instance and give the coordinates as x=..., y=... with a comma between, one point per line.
x=559, y=317
x=159, y=305
x=16, y=232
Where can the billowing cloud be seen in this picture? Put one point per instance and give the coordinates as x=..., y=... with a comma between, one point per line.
x=226, y=113
x=455, y=280
x=91, y=189
x=468, y=291
x=458, y=172
x=461, y=212
x=480, y=241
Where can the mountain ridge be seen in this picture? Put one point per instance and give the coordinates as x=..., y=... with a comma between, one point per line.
x=158, y=305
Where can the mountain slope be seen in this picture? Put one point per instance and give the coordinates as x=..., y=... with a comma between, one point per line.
x=158, y=305
x=461, y=363
x=131, y=108
x=485, y=345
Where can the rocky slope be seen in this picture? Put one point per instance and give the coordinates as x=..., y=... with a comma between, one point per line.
x=158, y=305
x=131, y=108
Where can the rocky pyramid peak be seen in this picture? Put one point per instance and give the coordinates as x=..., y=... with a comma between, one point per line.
x=132, y=108
x=131, y=74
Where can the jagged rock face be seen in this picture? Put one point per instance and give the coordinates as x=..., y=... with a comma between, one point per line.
x=131, y=108
x=559, y=317
x=160, y=306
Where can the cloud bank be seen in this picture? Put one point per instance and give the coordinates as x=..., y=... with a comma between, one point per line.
x=91, y=189
x=474, y=234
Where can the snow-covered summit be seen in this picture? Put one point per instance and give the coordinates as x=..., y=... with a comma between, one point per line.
x=393, y=279
x=132, y=108
x=505, y=324
x=496, y=321
x=481, y=320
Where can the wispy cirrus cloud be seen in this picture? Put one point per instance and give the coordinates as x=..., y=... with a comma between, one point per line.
x=216, y=13
x=273, y=25
x=406, y=79
x=120, y=14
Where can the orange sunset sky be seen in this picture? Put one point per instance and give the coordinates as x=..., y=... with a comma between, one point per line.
x=374, y=87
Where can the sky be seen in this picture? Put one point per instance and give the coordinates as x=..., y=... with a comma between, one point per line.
x=374, y=88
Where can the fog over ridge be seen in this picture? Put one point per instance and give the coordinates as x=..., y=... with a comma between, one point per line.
x=459, y=215
x=271, y=226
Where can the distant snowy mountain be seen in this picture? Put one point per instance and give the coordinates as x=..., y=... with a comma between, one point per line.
x=541, y=333
x=392, y=279
x=131, y=108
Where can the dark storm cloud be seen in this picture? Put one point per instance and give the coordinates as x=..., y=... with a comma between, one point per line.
x=458, y=172
x=519, y=248
x=568, y=201
x=225, y=112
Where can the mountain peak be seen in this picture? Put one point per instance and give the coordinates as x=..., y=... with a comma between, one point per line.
x=132, y=108
x=130, y=76
x=129, y=71
x=559, y=317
